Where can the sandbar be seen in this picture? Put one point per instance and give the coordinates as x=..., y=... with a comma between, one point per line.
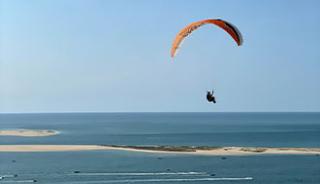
x=28, y=133
x=213, y=151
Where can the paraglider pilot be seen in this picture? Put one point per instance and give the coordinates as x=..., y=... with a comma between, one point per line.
x=210, y=97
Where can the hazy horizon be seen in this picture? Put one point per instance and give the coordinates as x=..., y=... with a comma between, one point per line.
x=147, y=112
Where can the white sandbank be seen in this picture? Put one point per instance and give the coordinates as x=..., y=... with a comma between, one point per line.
x=49, y=148
x=214, y=152
x=28, y=133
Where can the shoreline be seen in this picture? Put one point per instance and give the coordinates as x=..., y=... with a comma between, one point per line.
x=28, y=132
x=210, y=151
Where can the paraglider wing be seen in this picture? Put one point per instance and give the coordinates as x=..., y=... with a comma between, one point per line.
x=229, y=28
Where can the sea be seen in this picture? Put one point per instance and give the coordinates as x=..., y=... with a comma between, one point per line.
x=189, y=129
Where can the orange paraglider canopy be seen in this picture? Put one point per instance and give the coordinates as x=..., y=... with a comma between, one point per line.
x=229, y=28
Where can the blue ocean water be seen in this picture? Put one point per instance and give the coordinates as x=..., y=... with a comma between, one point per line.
x=214, y=129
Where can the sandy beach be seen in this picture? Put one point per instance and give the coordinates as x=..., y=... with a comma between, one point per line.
x=49, y=148
x=28, y=133
x=208, y=151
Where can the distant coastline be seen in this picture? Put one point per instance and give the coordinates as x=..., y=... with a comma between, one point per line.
x=28, y=133
x=202, y=150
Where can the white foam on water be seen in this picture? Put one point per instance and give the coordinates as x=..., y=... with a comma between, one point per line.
x=168, y=180
x=139, y=174
x=18, y=181
x=8, y=176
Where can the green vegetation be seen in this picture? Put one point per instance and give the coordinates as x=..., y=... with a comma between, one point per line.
x=256, y=150
x=168, y=148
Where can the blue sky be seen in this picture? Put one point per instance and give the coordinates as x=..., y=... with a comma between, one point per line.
x=114, y=56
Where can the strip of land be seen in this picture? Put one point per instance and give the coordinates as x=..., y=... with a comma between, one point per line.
x=28, y=133
x=202, y=150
